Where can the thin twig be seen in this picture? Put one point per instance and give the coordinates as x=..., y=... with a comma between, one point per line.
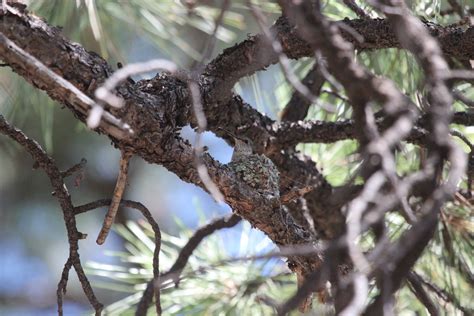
x=461, y=97
x=416, y=287
x=463, y=138
x=337, y=95
x=77, y=167
x=357, y=10
x=148, y=293
x=195, y=240
x=198, y=150
x=176, y=269
x=456, y=7
x=211, y=40
x=284, y=61
x=117, y=196
x=442, y=294
x=354, y=228
x=199, y=114
x=62, y=285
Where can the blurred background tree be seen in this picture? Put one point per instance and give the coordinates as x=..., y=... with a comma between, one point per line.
x=32, y=234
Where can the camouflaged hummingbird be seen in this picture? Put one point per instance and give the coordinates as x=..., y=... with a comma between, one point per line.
x=257, y=171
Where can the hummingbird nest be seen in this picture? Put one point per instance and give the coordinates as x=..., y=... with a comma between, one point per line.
x=258, y=172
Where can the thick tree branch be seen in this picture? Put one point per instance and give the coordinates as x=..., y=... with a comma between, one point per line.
x=256, y=53
x=145, y=111
x=154, y=118
x=298, y=106
x=288, y=134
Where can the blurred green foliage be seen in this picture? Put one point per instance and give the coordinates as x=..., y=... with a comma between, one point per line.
x=210, y=285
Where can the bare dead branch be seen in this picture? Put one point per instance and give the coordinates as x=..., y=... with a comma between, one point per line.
x=461, y=97
x=117, y=196
x=47, y=163
x=202, y=125
x=442, y=294
x=62, y=285
x=284, y=62
x=288, y=134
x=211, y=40
x=417, y=288
x=356, y=209
x=402, y=255
x=325, y=37
x=176, y=269
x=198, y=236
x=77, y=167
x=456, y=7
x=416, y=39
x=376, y=144
x=419, y=42
x=246, y=57
x=150, y=290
